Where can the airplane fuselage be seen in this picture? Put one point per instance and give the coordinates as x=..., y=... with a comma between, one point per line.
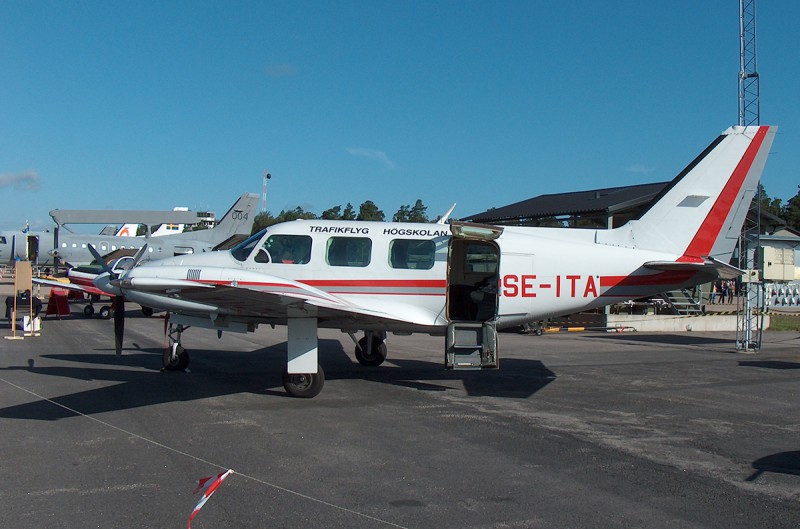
x=26, y=246
x=73, y=248
x=401, y=271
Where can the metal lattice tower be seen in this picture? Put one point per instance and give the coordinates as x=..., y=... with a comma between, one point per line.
x=749, y=100
x=750, y=304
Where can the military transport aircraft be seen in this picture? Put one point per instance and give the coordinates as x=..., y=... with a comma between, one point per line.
x=464, y=281
x=72, y=248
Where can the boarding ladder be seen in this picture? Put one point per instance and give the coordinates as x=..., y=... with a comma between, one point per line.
x=681, y=302
x=471, y=345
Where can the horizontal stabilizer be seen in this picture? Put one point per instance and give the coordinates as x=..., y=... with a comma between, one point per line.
x=709, y=266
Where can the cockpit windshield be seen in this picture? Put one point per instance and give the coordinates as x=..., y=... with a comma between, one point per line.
x=242, y=250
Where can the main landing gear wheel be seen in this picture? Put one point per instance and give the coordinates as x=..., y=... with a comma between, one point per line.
x=105, y=312
x=304, y=385
x=375, y=356
x=176, y=358
x=147, y=311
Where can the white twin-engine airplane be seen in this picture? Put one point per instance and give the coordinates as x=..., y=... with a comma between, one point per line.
x=464, y=281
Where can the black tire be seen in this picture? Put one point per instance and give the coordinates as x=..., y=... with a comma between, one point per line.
x=147, y=311
x=304, y=386
x=178, y=362
x=88, y=311
x=105, y=312
x=377, y=356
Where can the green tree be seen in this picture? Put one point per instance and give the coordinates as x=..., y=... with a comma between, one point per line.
x=402, y=214
x=415, y=213
x=369, y=211
x=294, y=214
x=334, y=213
x=349, y=213
x=265, y=218
x=771, y=205
x=791, y=212
x=261, y=221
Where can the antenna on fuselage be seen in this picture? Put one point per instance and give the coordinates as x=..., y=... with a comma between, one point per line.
x=446, y=216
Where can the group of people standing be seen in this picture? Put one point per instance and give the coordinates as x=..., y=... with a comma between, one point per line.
x=722, y=292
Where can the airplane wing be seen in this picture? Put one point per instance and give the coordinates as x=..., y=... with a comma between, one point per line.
x=709, y=266
x=70, y=286
x=270, y=299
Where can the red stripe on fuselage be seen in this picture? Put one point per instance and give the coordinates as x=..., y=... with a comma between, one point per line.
x=707, y=235
x=345, y=286
x=661, y=278
x=375, y=283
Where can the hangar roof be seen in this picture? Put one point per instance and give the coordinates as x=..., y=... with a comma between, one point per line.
x=606, y=201
x=599, y=202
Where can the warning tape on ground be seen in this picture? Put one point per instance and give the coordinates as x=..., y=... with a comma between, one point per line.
x=734, y=313
x=617, y=328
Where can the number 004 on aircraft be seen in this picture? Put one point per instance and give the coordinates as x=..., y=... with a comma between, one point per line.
x=463, y=281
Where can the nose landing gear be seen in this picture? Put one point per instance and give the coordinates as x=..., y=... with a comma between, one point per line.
x=175, y=358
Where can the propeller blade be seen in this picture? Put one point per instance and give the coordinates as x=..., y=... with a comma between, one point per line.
x=119, y=323
x=100, y=260
x=139, y=254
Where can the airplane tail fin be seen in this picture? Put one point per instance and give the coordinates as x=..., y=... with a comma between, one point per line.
x=699, y=216
x=167, y=229
x=237, y=221
x=127, y=230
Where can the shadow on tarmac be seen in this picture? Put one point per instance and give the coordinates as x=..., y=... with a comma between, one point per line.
x=665, y=338
x=782, y=463
x=214, y=373
x=770, y=364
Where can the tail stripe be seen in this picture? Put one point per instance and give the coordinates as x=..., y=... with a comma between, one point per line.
x=705, y=237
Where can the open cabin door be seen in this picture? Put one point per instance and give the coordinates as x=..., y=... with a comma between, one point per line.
x=33, y=248
x=25, y=247
x=473, y=264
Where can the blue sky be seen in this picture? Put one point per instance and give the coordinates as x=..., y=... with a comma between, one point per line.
x=150, y=105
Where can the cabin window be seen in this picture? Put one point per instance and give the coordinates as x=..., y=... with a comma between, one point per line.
x=414, y=254
x=481, y=258
x=243, y=250
x=2, y=240
x=288, y=249
x=349, y=251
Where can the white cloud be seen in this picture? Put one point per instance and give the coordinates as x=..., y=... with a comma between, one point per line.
x=24, y=181
x=372, y=154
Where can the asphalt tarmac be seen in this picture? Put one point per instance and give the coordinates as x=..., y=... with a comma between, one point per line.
x=575, y=430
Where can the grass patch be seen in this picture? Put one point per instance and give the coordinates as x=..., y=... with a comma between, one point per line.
x=784, y=323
